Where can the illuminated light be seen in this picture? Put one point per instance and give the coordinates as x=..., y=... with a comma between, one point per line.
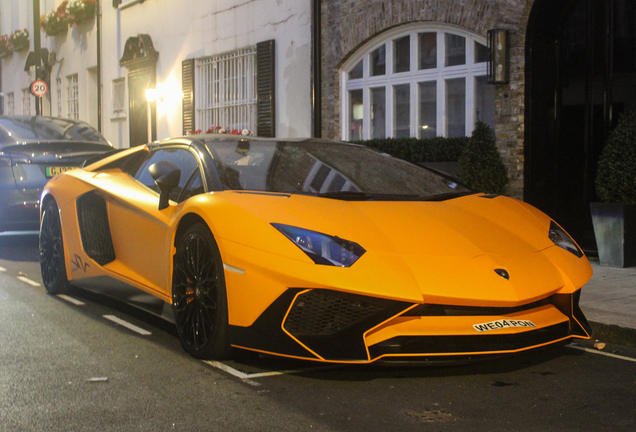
x=151, y=95
x=358, y=112
x=425, y=127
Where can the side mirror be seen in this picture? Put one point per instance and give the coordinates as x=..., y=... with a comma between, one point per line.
x=243, y=147
x=166, y=176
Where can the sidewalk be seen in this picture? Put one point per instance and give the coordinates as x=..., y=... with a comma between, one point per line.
x=608, y=301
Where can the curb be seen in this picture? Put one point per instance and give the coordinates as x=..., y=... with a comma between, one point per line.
x=614, y=334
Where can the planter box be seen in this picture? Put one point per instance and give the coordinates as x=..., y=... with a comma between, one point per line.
x=615, y=232
x=19, y=45
x=57, y=30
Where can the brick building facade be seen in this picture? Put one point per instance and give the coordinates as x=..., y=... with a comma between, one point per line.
x=348, y=24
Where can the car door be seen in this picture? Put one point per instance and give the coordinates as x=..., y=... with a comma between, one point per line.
x=141, y=232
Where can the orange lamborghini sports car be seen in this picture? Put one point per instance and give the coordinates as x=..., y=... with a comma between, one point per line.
x=312, y=249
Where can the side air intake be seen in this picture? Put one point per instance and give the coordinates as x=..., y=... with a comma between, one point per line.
x=94, y=228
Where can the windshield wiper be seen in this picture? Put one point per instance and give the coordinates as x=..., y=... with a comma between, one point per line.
x=447, y=196
x=363, y=196
x=345, y=195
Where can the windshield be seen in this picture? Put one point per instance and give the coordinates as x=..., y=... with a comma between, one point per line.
x=25, y=129
x=326, y=168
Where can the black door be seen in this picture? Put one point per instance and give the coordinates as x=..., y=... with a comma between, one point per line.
x=138, y=81
x=581, y=64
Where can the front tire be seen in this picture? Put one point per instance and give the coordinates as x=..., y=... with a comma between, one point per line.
x=198, y=295
x=52, y=264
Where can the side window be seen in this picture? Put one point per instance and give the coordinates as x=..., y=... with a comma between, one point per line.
x=188, y=165
x=193, y=187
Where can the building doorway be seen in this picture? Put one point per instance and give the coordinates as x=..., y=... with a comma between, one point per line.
x=581, y=75
x=140, y=57
x=138, y=81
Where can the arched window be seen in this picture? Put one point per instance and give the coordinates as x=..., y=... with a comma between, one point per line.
x=419, y=80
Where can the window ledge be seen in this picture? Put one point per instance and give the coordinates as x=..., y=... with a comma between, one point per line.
x=129, y=4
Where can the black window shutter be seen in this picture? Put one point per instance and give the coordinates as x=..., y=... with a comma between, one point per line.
x=265, y=84
x=187, y=87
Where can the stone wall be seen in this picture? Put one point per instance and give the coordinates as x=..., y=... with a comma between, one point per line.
x=348, y=24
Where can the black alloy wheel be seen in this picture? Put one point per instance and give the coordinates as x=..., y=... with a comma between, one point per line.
x=198, y=295
x=52, y=263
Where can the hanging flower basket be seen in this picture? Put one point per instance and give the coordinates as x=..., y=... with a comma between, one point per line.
x=79, y=11
x=18, y=40
x=4, y=51
x=55, y=22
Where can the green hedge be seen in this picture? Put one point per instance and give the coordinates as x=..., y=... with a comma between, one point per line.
x=415, y=150
x=616, y=175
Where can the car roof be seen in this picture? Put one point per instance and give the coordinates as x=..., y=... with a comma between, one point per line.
x=35, y=129
x=216, y=137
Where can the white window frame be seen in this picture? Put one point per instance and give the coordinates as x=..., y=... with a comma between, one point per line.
x=119, y=97
x=470, y=71
x=10, y=104
x=226, y=91
x=26, y=101
x=58, y=93
x=72, y=97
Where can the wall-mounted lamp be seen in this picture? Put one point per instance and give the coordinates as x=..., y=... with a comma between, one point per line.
x=498, y=65
x=151, y=95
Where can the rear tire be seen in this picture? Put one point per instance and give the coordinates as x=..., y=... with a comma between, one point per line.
x=198, y=295
x=52, y=264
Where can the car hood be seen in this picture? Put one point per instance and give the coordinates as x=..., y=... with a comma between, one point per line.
x=450, y=249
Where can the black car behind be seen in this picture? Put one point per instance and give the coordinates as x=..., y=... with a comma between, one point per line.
x=33, y=149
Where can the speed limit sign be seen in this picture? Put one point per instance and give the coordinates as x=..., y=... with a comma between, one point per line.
x=39, y=88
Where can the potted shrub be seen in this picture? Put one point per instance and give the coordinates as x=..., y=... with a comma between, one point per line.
x=614, y=217
x=480, y=164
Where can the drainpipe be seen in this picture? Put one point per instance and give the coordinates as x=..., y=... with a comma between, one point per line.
x=316, y=66
x=37, y=51
x=99, y=64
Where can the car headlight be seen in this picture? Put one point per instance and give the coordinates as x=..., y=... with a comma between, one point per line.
x=563, y=240
x=322, y=248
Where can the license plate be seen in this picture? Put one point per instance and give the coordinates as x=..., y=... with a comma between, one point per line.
x=53, y=171
x=502, y=323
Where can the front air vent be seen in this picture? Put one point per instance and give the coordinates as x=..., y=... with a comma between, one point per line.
x=92, y=217
x=332, y=324
x=449, y=310
x=328, y=312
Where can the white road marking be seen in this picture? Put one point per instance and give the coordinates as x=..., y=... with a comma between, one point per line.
x=29, y=281
x=231, y=371
x=606, y=354
x=97, y=379
x=71, y=300
x=246, y=377
x=2, y=269
x=128, y=325
x=291, y=371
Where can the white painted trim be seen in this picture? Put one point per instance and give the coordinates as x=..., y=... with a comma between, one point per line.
x=469, y=71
